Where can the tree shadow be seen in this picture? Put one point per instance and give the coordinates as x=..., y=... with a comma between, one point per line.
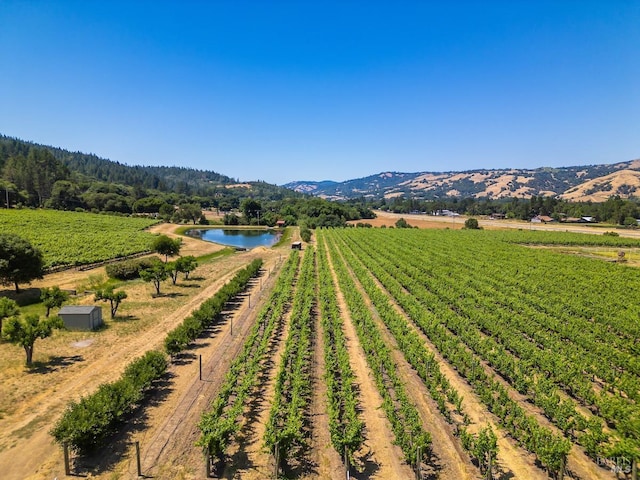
x=124, y=318
x=27, y=296
x=118, y=446
x=187, y=285
x=54, y=363
x=183, y=358
x=167, y=295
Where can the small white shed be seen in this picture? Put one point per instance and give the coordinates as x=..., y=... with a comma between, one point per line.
x=81, y=317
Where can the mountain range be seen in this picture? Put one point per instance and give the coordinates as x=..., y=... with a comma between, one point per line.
x=593, y=183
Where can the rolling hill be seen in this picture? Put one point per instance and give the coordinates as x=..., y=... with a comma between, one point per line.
x=578, y=183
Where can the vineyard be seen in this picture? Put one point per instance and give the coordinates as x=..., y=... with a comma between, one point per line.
x=75, y=238
x=395, y=354
x=544, y=345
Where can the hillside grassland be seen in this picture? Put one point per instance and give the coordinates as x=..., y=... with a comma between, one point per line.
x=77, y=238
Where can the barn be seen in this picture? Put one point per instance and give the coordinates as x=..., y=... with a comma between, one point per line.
x=81, y=317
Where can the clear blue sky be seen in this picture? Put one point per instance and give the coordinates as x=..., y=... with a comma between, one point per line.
x=282, y=91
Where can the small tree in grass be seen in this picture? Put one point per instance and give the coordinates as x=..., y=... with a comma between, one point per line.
x=113, y=297
x=8, y=308
x=187, y=265
x=155, y=274
x=182, y=265
x=166, y=246
x=25, y=331
x=53, y=298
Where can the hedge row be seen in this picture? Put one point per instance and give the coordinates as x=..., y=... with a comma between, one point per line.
x=86, y=424
x=179, y=338
x=130, y=269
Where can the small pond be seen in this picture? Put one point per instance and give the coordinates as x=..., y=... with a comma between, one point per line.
x=238, y=238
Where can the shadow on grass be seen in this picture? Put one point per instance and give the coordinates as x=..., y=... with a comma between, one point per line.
x=124, y=318
x=54, y=363
x=26, y=296
x=119, y=445
x=168, y=295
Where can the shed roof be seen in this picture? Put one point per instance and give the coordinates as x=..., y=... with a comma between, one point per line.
x=77, y=309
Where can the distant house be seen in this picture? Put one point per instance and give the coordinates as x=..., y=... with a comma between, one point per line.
x=81, y=317
x=280, y=223
x=542, y=219
x=497, y=216
x=587, y=219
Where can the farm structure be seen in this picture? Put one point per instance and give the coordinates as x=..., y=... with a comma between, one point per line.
x=80, y=317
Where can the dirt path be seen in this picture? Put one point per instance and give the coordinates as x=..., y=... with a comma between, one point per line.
x=249, y=460
x=328, y=463
x=450, y=462
x=512, y=461
x=168, y=443
x=380, y=458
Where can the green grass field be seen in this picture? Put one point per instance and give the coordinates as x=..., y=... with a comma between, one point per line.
x=72, y=238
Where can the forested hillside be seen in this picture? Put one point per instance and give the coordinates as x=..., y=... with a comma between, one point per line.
x=34, y=175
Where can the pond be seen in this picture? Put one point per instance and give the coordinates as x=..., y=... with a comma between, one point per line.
x=238, y=238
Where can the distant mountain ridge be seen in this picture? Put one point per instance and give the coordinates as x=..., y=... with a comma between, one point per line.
x=578, y=183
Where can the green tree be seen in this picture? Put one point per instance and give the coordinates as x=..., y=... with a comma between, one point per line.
x=471, y=224
x=181, y=265
x=166, y=246
x=402, y=223
x=8, y=308
x=25, y=331
x=231, y=219
x=156, y=275
x=166, y=211
x=20, y=262
x=186, y=265
x=53, y=298
x=65, y=195
x=114, y=298
x=250, y=209
x=191, y=212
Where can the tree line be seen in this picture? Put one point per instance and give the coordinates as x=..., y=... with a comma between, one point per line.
x=32, y=175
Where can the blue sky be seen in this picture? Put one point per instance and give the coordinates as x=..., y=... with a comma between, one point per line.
x=282, y=91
